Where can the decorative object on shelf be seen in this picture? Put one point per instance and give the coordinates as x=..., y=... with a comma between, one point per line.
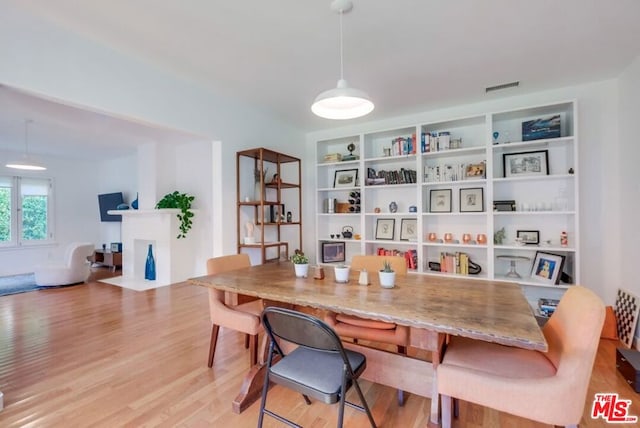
x=386, y=151
x=318, y=272
x=499, y=236
x=181, y=201
x=345, y=178
x=530, y=237
x=564, y=240
x=448, y=238
x=440, y=200
x=408, y=229
x=150, y=265
x=134, y=204
x=300, y=264
x=276, y=213
x=350, y=157
x=525, y=163
x=432, y=237
x=570, y=172
x=509, y=205
x=341, y=273
x=547, y=267
x=475, y=171
x=413, y=209
x=387, y=275
x=393, y=207
x=343, y=102
x=122, y=207
x=481, y=238
x=332, y=252
x=347, y=232
x=376, y=210
x=249, y=238
x=259, y=179
x=513, y=273
x=275, y=179
x=363, y=278
x=289, y=217
x=496, y=134
x=385, y=228
x=466, y=238
x=542, y=128
x=330, y=205
x=115, y=247
x=472, y=200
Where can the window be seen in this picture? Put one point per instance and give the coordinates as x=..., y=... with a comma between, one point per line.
x=25, y=211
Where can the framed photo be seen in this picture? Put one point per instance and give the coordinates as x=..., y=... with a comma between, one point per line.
x=332, y=252
x=547, y=267
x=440, y=201
x=408, y=229
x=504, y=205
x=345, y=178
x=546, y=127
x=385, y=228
x=526, y=163
x=531, y=237
x=475, y=171
x=472, y=200
x=277, y=213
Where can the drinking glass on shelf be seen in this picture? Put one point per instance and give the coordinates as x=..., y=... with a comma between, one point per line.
x=466, y=238
x=481, y=238
x=432, y=237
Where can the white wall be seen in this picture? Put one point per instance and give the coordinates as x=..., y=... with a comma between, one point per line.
x=44, y=59
x=599, y=148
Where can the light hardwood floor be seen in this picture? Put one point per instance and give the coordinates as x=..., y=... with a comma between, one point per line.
x=100, y=355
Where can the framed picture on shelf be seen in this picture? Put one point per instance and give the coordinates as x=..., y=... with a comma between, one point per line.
x=408, y=229
x=531, y=237
x=440, y=201
x=526, y=163
x=385, y=228
x=345, y=178
x=276, y=213
x=547, y=267
x=332, y=252
x=472, y=200
x=474, y=171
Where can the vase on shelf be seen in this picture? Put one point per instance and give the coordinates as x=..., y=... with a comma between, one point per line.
x=134, y=204
x=258, y=191
x=150, y=266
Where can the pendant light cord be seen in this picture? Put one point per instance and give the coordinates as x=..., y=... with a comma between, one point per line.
x=341, y=49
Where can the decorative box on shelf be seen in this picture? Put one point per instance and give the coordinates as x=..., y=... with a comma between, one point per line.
x=628, y=364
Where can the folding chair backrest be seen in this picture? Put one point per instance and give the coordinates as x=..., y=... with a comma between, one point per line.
x=300, y=329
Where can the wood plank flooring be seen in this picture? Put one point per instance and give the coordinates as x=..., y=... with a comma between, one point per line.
x=99, y=355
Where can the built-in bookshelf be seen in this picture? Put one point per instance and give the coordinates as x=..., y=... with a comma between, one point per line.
x=444, y=178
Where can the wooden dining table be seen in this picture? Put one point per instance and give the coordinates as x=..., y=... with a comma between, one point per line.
x=432, y=306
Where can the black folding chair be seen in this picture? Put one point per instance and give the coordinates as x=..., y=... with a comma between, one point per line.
x=319, y=367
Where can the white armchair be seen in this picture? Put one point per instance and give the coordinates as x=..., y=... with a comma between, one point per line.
x=73, y=269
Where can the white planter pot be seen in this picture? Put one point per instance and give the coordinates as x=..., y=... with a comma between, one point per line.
x=302, y=270
x=342, y=274
x=387, y=279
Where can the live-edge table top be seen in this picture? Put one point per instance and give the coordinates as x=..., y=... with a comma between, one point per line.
x=486, y=310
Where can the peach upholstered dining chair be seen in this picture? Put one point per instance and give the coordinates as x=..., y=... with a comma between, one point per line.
x=372, y=330
x=547, y=387
x=244, y=318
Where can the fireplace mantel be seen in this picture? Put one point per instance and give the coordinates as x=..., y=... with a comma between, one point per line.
x=158, y=228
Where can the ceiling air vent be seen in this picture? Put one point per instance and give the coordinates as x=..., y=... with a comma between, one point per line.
x=503, y=86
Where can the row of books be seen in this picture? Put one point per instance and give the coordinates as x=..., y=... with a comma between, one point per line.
x=457, y=263
x=410, y=256
x=547, y=306
x=401, y=176
x=403, y=146
x=438, y=141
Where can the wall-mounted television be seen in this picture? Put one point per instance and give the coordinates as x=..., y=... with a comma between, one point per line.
x=107, y=202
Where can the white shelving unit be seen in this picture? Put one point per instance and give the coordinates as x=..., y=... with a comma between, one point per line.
x=546, y=203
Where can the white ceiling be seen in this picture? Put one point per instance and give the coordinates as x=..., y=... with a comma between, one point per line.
x=409, y=55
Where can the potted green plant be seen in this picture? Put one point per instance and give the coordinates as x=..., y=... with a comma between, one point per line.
x=181, y=201
x=387, y=275
x=300, y=263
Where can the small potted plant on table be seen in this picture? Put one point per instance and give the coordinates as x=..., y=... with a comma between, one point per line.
x=387, y=275
x=301, y=264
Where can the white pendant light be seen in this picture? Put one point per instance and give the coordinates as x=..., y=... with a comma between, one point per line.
x=342, y=102
x=26, y=163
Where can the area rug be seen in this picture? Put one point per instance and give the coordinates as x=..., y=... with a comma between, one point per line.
x=18, y=284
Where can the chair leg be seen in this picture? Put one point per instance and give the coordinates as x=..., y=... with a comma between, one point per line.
x=401, y=350
x=253, y=349
x=356, y=385
x=265, y=387
x=446, y=411
x=306, y=399
x=212, y=346
x=456, y=407
x=246, y=341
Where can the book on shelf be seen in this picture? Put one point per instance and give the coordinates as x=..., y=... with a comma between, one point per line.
x=410, y=256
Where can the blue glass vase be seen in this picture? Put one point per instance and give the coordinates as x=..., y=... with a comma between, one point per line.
x=134, y=204
x=150, y=266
